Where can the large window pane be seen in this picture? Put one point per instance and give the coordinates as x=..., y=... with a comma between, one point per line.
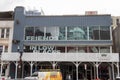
x=76, y=33
x=2, y=32
x=39, y=33
x=62, y=33
x=7, y=32
x=93, y=49
x=104, y=33
x=29, y=33
x=94, y=33
x=52, y=33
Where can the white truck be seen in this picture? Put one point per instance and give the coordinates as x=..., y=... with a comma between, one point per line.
x=45, y=75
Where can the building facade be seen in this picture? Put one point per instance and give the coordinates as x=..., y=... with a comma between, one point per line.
x=6, y=30
x=115, y=21
x=79, y=45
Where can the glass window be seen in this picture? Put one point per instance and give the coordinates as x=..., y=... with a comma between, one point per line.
x=93, y=49
x=76, y=33
x=82, y=49
x=39, y=33
x=94, y=33
x=62, y=33
x=29, y=33
x=71, y=49
x=52, y=33
x=2, y=33
x=6, y=49
x=60, y=49
x=104, y=49
x=104, y=33
x=1, y=49
x=7, y=32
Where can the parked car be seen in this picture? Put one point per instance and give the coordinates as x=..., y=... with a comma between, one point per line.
x=34, y=76
x=46, y=75
x=117, y=78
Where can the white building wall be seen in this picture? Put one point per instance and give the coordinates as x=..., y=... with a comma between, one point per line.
x=6, y=41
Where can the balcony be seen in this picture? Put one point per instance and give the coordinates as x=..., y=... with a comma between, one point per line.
x=64, y=57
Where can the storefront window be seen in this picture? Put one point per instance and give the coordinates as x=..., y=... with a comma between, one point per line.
x=39, y=33
x=67, y=33
x=99, y=33
x=94, y=33
x=29, y=33
x=52, y=33
x=104, y=33
x=62, y=33
x=76, y=33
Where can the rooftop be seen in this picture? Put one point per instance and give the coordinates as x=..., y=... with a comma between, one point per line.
x=8, y=15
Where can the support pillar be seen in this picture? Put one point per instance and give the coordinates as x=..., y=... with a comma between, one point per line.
x=77, y=65
x=113, y=71
x=77, y=71
x=31, y=67
x=1, y=68
x=54, y=64
x=16, y=65
x=97, y=73
x=118, y=72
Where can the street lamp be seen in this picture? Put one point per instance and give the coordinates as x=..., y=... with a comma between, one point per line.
x=20, y=61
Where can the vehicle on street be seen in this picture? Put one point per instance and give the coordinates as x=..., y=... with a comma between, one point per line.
x=117, y=78
x=46, y=75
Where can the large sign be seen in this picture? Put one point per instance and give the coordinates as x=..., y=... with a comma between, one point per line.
x=41, y=38
x=43, y=49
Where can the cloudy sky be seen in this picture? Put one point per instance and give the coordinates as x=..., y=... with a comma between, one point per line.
x=64, y=7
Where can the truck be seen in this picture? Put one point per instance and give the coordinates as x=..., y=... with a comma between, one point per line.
x=45, y=75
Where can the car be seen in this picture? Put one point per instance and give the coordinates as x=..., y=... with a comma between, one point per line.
x=34, y=76
x=45, y=75
x=117, y=78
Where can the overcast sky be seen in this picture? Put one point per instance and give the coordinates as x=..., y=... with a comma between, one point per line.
x=64, y=7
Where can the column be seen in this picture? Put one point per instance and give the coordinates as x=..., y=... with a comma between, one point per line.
x=88, y=37
x=16, y=64
x=1, y=68
x=53, y=64
x=113, y=71
x=66, y=33
x=97, y=71
x=31, y=67
x=77, y=71
x=110, y=73
x=97, y=65
x=110, y=32
x=118, y=74
x=77, y=65
x=94, y=72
